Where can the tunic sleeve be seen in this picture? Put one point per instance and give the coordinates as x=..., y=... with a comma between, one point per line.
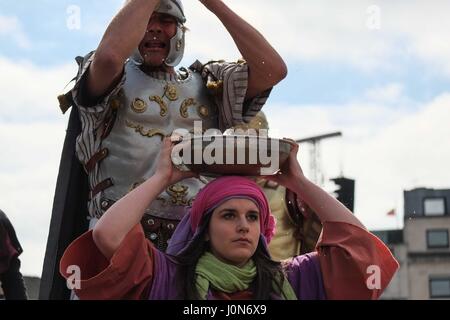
x=230, y=96
x=305, y=277
x=355, y=264
x=92, y=114
x=78, y=92
x=128, y=275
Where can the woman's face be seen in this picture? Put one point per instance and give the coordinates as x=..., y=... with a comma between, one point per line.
x=234, y=231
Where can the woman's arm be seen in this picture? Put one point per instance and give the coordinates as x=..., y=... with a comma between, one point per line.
x=126, y=213
x=323, y=204
x=266, y=66
x=347, y=252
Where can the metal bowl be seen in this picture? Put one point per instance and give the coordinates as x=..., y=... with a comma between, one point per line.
x=233, y=155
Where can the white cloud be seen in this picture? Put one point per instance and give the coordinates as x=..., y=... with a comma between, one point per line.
x=322, y=30
x=424, y=28
x=32, y=131
x=300, y=30
x=411, y=152
x=11, y=27
x=29, y=93
x=386, y=149
x=333, y=31
x=28, y=172
x=388, y=93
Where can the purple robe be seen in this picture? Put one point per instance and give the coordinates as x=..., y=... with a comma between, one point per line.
x=303, y=273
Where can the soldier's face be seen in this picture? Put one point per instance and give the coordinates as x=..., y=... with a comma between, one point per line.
x=155, y=46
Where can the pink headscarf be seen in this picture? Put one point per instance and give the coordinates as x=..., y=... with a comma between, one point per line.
x=229, y=187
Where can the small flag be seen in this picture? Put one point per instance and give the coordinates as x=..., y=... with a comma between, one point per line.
x=391, y=212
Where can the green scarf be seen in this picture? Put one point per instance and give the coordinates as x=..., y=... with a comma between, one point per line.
x=211, y=272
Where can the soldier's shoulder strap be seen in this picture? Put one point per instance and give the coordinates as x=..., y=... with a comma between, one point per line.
x=66, y=100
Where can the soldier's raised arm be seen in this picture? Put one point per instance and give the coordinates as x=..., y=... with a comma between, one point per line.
x=121, y=38
x=266, y=67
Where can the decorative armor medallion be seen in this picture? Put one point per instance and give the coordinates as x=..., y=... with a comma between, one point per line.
x=115, y=103
x=178, y=194
x=185, y=105
x=145, y=132
x=139, y=105
x=203, y=111
x=162, y=105
x=170, y=91
x=214, y=85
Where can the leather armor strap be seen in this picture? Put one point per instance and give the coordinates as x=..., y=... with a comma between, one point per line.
x=159, y=230
x=294, y=208
x=308, y=224
x=65, y=101
x=96, y=158
x=105, y=184
x=109, y=123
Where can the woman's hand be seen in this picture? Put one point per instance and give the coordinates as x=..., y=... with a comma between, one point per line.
x=165, y=168
x=291, y=172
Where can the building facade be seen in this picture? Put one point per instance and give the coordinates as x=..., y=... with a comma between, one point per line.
x=422, y=247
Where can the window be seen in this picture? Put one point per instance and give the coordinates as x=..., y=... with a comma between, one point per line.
x=434, y=206
x=440, y=287
x=437, y=238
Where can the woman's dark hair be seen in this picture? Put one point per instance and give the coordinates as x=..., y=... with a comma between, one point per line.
x=268, y=271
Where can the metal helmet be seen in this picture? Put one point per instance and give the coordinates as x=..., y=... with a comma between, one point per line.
x=177, y=43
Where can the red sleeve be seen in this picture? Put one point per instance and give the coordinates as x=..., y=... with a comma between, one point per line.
x=355, y=264
x=127, y=275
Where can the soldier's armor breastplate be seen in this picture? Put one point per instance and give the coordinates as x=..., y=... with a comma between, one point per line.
x=148, y=110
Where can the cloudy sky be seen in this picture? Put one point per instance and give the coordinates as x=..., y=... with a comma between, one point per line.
x=376, y=70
